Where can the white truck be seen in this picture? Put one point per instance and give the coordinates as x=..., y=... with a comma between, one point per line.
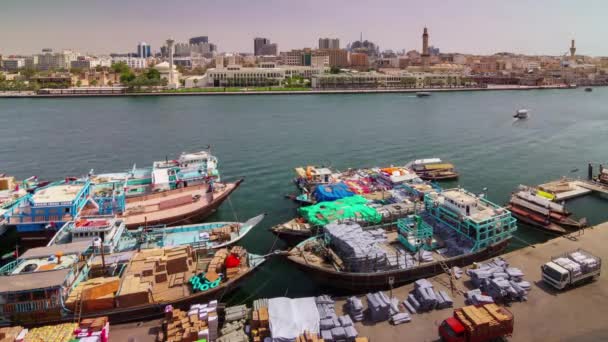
x=571, y=268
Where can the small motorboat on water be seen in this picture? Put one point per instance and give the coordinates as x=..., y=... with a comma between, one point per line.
x=521, y=114
x=588, y=89
x=433, y=169
x=423, y=94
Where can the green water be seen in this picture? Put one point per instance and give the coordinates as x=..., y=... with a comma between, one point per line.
x=263, y=137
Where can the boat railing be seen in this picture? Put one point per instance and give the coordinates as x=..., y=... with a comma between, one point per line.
x=162, y=194
x=10, y=267
x=30, y=305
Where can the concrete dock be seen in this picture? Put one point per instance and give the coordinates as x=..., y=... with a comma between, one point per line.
x=565, y=189
x=578, y=314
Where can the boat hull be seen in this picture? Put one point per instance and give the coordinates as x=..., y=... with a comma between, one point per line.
x=141, y=312
x=365, y=282
x=191, y=217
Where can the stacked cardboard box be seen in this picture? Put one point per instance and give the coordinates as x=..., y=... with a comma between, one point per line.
x=56, y=333
x=200, y=322
x=93, y=329
x=11, y=334
x=260, y=326
x=309, y=337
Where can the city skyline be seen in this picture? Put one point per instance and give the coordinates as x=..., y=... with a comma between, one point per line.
x=474, y=26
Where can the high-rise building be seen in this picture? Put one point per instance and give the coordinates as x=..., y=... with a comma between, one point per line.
x=199, y=40
x=262, y=46
x=359, y=61
x=329, y=43
x=143, y=50
x=59, y=60
x=337, y=57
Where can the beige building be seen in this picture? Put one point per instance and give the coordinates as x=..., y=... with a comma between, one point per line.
x=374, y=80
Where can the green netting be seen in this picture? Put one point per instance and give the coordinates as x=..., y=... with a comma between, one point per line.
x=353, y=207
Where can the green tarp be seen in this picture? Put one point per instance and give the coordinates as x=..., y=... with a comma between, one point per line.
x=353, y=207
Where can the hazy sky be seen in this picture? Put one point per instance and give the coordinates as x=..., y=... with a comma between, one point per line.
x=469, y=26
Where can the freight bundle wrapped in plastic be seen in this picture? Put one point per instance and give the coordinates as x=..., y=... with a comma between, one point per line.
x=360, y=250
x=378, y=306
x=455, y=243
x=499, y=281
x=424, y=298
x=354, y=306
x=334, y=328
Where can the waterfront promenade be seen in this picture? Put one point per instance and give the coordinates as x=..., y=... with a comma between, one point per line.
x=577, y=314
x=244, y=91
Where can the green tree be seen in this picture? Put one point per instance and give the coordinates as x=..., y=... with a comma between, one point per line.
x=153, y=74
x=92, y=83
x=121, y=68
x=78, y=83
x=334, y=70
x=28, y=73
x=127, y=77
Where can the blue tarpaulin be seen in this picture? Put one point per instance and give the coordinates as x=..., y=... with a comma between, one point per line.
x=332, y=192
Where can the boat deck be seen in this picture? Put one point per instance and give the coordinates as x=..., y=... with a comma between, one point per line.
x=174, y=203
x=392, y=246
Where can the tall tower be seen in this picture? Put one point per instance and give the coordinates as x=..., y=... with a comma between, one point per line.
x=425, y=42
x=170, y=42
x=425, y=49
x=572, y=50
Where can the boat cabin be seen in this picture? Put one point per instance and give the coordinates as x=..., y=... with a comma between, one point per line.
x=107, y=230
x=33, y=287
x=54, y=204
x=477, y=219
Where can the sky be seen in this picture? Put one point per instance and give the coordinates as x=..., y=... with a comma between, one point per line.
x=468, y=26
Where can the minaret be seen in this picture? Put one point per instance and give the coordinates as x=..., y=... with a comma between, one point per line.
x=425, y=42
x=572, y=51
x=170, y=42
x=425, y=48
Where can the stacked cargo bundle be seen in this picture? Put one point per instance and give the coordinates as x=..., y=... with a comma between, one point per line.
x=570, y=265
x=354, y=306
x=223, y=233
x=455, y=243
x=587, y=261
x=499, y=282
x=93, y=330
x=260, y=325
x=200, y=322
x=424, y=298
x=359, y=249
x=378, y=306
x=334, y=328
x=11, y=334
x=56, y=333
x=235, y=319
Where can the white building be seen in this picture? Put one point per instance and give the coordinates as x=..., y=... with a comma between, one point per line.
x=165, y=72
x=91, y=62
x=58, y=60
x=132, y=62
x=238, y=76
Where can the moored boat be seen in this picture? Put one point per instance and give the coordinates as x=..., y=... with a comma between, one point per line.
x=433, y=169
x=131, y=286
x=535, y=208
x=212, y=235
x=589, y=89
x=456, y=229
x=367, y=196
x=423, y=94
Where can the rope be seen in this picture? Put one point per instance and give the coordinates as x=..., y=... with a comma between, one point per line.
x=232, y=209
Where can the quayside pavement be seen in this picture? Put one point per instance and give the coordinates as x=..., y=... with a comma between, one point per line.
x=578, y=314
